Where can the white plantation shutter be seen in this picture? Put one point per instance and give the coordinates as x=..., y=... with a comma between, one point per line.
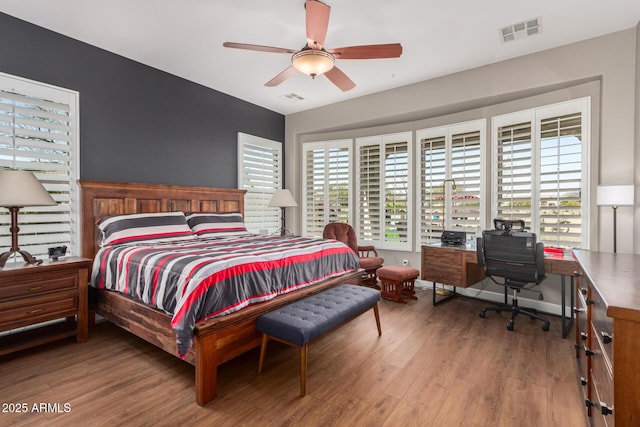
x=448, y=153
x=38, y=132
x=466, y=171
x=338, y=192
x=433, y=172
x=560, y=202
x=514, y=172
x=260, y=173
x=541, y=174
x=369, y=173
x=384, y=188
x=326, y=172
x=396, y=194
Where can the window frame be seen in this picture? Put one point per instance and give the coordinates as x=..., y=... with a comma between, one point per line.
x=258, y=217
x=42, y=92
x=385, y=141
x=448, y=132
x=326, y=146
x=535, y=116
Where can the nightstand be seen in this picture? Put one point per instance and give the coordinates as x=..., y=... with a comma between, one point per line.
x=33, y=294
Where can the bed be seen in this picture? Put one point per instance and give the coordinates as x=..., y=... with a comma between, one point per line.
x=216, y=340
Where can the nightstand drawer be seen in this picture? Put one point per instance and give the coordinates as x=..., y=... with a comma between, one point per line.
x=29, y=286
x=18, y=313
x=33, y=294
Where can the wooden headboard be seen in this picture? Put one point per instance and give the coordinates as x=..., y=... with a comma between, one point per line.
x=102, y=198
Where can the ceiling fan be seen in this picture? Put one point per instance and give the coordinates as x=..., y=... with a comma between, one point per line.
x=313, y=59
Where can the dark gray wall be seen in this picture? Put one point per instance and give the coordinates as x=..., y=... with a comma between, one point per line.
x=138, y=124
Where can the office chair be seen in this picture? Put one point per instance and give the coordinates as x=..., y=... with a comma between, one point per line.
x=512, y=258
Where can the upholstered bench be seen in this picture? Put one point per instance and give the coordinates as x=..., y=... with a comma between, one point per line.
x=398, y=282
x=303, y=322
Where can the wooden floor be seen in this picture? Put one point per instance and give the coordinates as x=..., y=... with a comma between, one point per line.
x=433, y=366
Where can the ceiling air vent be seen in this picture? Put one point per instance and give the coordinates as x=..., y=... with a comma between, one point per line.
x=291, y=96
x=520, y=30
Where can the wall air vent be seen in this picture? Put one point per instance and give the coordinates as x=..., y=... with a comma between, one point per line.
x=520, y=30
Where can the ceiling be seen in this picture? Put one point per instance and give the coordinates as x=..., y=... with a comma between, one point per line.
x=185, y=38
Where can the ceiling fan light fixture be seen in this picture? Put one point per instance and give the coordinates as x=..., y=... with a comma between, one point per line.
x=312, y=62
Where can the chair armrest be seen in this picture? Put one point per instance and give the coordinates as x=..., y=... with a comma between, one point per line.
x=479, y=252
x=367, y=250
x=540, y=260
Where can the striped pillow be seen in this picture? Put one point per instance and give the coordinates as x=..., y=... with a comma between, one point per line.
x=144, y=227
x=216, y=224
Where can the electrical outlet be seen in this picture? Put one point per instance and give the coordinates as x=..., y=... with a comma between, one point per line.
x=405, y=262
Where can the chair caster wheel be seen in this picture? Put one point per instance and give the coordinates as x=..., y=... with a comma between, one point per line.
x=541, y=297
x=510, y=326
x=545, y=327
x=482, y=314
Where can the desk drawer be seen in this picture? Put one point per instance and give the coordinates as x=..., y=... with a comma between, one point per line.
x=443, y=266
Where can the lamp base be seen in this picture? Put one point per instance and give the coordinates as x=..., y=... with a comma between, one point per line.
x=28, y=258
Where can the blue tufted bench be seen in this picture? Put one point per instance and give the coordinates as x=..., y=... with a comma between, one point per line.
x=306, y=321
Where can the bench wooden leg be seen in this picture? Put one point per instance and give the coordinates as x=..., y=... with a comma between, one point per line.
x=263, y=351
x=377, y=314
x=303, y=369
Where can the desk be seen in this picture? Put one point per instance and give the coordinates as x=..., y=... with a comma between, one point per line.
x=457, y=266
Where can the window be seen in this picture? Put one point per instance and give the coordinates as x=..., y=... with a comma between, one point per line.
x=450, y=180
x=39, y=132
x=540, y=173
x=326, y=174
x=384, y=188
x=260, y=173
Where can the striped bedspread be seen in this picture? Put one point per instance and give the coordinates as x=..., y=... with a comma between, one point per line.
x=193, y=280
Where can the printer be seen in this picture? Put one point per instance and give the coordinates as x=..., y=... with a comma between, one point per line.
x=453, y=238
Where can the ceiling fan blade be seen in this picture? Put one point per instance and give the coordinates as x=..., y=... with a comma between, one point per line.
x=372, y=51
x=259, y=48
x=284, y=75
x=317, y=23
x=340, y=79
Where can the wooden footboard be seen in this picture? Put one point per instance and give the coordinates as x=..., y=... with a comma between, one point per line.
x=217, y=340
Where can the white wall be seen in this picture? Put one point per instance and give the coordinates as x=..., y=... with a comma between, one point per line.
x=606, y=63
x=636, y=180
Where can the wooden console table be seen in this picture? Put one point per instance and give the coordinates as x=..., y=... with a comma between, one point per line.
x=457, y=266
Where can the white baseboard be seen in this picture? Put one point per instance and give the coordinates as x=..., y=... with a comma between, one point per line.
x=498, y=297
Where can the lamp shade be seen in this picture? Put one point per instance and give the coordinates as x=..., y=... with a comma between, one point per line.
x=20, y=188
x=615, y=195
x=282, y=199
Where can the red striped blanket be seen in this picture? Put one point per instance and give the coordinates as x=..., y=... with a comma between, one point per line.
x=196, y=279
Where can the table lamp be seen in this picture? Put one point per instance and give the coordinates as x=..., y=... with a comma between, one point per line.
x=282, y=199
x=614, y=196
x=18, y=189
